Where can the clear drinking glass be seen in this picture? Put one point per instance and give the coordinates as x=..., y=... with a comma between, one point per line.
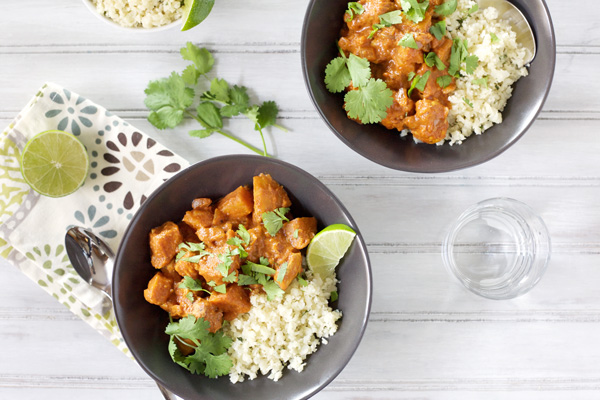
x=498, y=248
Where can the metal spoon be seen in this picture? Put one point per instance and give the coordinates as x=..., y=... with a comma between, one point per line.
x=509, y=12
x=94, y=261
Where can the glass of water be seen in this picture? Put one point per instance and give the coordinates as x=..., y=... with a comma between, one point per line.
x=498, y=248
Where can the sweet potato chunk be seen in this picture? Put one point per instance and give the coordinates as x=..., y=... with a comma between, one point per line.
x=294, y=267
x=159, y=289
x=163, y=243
x=201, y=202
x=199, y=218
x=268, y=195
x=169, y=272
x=186, y=268
x=300, y=231
x=213, y=236
x=202, y=308
x=233, y=302
x=237, y=204
x=207, y=267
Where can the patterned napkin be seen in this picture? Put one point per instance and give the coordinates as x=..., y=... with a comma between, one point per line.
x=125, y=167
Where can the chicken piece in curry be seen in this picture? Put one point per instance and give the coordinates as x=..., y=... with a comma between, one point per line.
x=219, y=245
x=424, y=113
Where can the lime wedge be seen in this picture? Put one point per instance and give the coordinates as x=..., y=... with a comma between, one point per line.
x=328, y=247
x=195, y=11
x=54, y=163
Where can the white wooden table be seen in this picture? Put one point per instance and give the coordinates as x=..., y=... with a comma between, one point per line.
x=427, y=337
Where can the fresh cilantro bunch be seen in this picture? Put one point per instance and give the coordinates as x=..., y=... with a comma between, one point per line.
x=171, y=99
x=210, y=356
x=369, y=99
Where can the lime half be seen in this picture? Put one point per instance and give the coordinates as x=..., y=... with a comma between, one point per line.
x=328, y=247
x=54, y=163
x=195, y=11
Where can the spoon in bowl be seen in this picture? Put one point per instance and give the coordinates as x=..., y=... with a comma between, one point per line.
x=510, y=13
x=93, y=260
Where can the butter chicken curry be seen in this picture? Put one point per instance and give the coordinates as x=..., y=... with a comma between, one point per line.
x=423, y=112
x=211, y=262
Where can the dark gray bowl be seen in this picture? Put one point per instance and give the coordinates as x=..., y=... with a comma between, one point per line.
x=322, y=25
x=143, y=324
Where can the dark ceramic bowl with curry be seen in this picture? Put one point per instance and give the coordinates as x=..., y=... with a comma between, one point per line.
x=322, y=26
x=143, y=324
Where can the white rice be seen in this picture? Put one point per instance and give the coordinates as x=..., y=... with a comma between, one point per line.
x=501, y=62
x=140, y=13
x=282, y=332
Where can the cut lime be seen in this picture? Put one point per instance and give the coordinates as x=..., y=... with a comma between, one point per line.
x=54, y=163
x=328, y=247
x=195, y=11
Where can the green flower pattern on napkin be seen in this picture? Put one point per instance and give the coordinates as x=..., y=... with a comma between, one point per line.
x=125, y=167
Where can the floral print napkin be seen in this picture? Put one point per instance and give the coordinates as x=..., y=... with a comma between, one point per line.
x=125, y=167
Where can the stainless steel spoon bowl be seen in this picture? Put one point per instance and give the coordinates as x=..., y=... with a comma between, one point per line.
x=509, y=12
x=93, y=260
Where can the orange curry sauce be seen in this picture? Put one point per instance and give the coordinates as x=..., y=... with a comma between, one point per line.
x=425, y=113
x=214, y=225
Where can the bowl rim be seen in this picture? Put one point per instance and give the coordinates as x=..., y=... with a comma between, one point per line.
x=458, y=166
x=241, y=157
x=93, y=10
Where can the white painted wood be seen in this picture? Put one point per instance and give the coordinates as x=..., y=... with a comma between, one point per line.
x=427, y=337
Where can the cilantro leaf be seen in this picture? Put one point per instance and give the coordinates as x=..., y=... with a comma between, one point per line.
x=419, y=82
x=337, y=76
x=219, y=91
x=190, y=297
x=201, y=133
x=202, y=59
x=386, y=20
x=414, y=10
x=175, y=353
x=408, y=41
x=446, y=8
x=272, y=290
x=209, y=116
x=168, y=98
x=468, y=102
x=190, y=75
x=189, y=328
x=481, y=82
x=282, y=271
x=221, y=288
x=354, y=8
x=334, y=296
x=295, y=234
x=246, y=280
x=432, y=59
x=458, y=54
x=273, y=220
x=243, y=234
x=473, y=9
x=360, y=70
x=471, y=64
x=190, y=283
x=494, y=37
x=438, y=30
x=261, y=269
x=302, y=281
x=267, y=114
x=264, y=261
x=369, y=103
x=239, y=102
x=232, y=277
x=444, y=81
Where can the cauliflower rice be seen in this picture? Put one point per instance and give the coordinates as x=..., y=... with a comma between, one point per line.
x=501, y=61
x=282, y=332
x=140, y=13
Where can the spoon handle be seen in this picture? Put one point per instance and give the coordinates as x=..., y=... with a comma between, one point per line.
x=166, y=393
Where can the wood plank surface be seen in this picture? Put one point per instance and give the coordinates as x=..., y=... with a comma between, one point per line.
x=427, y=337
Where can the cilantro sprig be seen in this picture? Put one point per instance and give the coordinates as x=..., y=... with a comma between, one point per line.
x=370, y=98
x=171, y=99
x=210, y=356
x=354, y=8
x=273, y=220
x=460, y=55
x=414, y=10
x=260, y=274
x=386, y=20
